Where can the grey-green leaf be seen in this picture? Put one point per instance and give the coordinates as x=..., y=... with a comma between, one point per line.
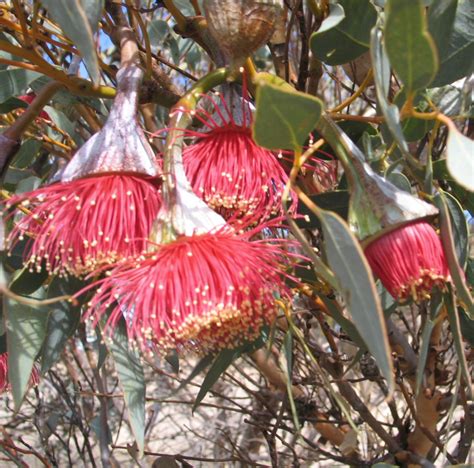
x=381, y=78
x=344, y=34
x=460, y=158
x=93, y=10
x=223, y=360
x=132, y=381
x=284, y=118
x=14, y=82
x=455, y=43
x=72, y=18
x=410, y=47
x=357, y=286
x=460, y=229
x=26, y=330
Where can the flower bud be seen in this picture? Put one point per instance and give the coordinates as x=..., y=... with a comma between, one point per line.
x=240, y=27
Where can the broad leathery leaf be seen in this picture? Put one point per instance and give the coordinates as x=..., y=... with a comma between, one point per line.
x=455, y=325
x=284, y=117
x=382, y=79
x=221, y=363
x=344, y=34
x=455, y=270
x=26, y=330
x=400, y=180
x=27, y=282
x=63, y=321
x=410, y=47
x=132, y=381
x=441, y=15
x=455, y=41
x=435, y=307
x=288, y=352
x=15, y=82
x=72, y=18
x=459, y=227
x=27, y=153
x=12, y=103
x=467, y=326
x=337, y=201
x=357, y=286
x=460, y=158
x=93, y=10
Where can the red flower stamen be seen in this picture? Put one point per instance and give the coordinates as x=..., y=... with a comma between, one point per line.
x=409, y=261
x=4, y=382
x=79, y=225
x=204, y=292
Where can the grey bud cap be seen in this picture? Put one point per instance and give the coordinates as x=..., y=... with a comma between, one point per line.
x=121, y=145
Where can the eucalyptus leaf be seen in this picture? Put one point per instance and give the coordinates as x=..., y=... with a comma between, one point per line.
x=284, y=118
x=63, y=321
x=221, y=363
x=14, y=82
x=132, y=380
x=455, y=325
x=460, y=160
x=72, y=17
x=455, y=41
x=26, y=330
x=344, y=35
x=381, y=78
x=459, y=227
x=357, y=286
x=410, y=47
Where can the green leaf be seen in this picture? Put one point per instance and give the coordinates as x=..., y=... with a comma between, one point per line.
x=93, y=10
x=455, y=41
x=72, y=18
x=26, y=330
x=15, y=82
x=284, y=117
x=288, y=351
x=399, y=180
x=27, y=282
x=409, y=46
x=460, y=160
x=382, y=86
x=467, y=326
x=337, y=201
x=455, y=326
x=435, y=307
x=12, y=104
x=459, y=227
x=221, y=363
x=441, y=16
x=344, y=34
x=27, y=153
x=63, y=321
x=357, y=286
x=132, y=381
x=450, y=252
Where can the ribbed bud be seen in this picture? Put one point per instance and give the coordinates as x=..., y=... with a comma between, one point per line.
x=240, y=27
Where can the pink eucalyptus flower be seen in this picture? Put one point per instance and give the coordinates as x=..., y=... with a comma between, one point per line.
x=28, y=98
x=205, y=291
x=4, y=383
x=409, y=261
x=103, y=208
x=76, y=226
x=229, y=171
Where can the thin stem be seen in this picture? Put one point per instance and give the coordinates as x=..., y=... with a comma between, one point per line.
x=16, y=130
x=354, y=96
x=176, y=13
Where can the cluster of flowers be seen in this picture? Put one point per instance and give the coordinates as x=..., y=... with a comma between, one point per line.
x=203, y=289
